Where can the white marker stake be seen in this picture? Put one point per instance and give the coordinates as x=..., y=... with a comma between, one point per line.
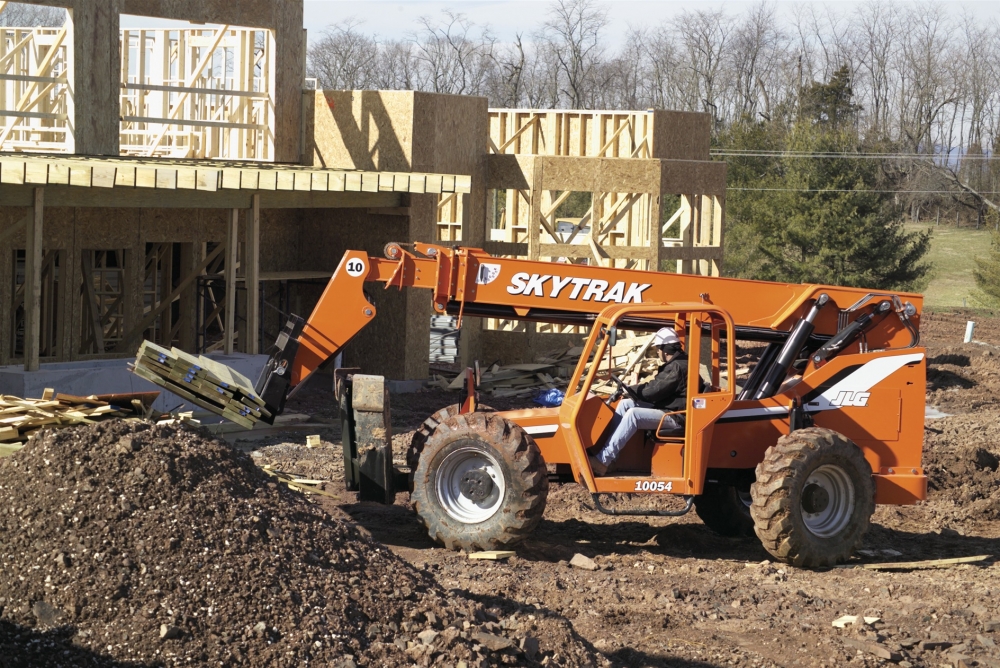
x=970, y=328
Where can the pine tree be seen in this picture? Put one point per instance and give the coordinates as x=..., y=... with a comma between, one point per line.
x=987, y=274
x=822, y=217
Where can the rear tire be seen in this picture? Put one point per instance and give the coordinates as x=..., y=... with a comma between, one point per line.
x=813, y=499
x=725, y=509
x=480, y=483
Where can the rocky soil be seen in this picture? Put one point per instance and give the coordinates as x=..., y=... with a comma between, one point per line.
x=158, y=546
x=76, y=535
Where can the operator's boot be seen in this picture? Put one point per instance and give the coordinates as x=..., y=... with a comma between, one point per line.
x=597, y=467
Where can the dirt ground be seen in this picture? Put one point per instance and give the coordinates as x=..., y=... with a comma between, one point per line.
x=669, y=592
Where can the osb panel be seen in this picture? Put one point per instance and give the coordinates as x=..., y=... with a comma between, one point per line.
x=510, y=171
x=180, y=226
x=281, y=249
x=569, y=173
x=248, y=13
x=681, y=135
x=58, y=229
x=370, y=130
x=326, y=236
x=450, y=133
x=96, y=97
x=104, y=229
x=621, y=175
x=688, y=176
x=289, y=74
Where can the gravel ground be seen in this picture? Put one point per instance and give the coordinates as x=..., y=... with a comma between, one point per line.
x=665, y=592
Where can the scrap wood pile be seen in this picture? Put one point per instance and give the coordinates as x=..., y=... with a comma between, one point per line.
x=21, y=418
x=553, y=370
x=204, y=382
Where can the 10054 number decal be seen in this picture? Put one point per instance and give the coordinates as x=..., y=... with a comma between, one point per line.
x=653, y=486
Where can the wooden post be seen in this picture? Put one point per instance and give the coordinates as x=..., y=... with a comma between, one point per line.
x=251, y=256
x=232, y=245
x=33, y=284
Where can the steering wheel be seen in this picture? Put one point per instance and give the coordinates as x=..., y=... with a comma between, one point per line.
x=625, y=388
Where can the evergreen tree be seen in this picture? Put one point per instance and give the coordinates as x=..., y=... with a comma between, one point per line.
x=824, y=218
x=987, y=273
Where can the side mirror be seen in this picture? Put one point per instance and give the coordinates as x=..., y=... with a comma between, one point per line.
x=613, y=336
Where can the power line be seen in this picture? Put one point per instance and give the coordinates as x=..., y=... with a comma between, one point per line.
x=737, y=153
x=856, y=190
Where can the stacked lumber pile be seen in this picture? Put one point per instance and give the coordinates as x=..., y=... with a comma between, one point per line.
x=204, y=382
x=444, y=338
x=20, y=419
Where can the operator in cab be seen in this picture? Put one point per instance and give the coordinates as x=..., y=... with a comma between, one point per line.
x=665, y=393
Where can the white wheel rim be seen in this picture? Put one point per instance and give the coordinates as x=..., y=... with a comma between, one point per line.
x=449, y=479
x=827, y=501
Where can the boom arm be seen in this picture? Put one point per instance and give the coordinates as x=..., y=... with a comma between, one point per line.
x=468, y=281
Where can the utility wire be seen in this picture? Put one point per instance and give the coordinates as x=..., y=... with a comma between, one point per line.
x=856, y=190
x=737, y=153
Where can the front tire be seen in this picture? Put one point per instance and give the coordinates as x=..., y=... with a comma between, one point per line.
x=480, y=483
x=813, y=499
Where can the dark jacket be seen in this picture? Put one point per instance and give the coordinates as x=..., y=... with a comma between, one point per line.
x=668, y=390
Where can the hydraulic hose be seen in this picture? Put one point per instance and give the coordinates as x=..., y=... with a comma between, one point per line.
x=790, y=351
x=849, y=334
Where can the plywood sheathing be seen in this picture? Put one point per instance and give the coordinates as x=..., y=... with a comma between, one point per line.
x=410, y=132
x=94, y=29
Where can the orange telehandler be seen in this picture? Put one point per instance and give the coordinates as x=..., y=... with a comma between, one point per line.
x=828, y=423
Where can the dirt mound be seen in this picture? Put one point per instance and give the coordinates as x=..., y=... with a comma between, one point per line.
x=962, y=461
x=156, y=544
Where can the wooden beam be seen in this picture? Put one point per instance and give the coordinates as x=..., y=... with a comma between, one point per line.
x=232, y=245
x=251, y=259
x=33, y=284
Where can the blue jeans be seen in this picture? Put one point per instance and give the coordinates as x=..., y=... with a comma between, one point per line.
x=627, y=421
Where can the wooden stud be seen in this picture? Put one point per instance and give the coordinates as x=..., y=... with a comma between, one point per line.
x=232, y=246
x=251, y=260
x=33, y=284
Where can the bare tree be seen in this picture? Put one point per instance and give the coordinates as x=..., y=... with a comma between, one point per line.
x=344, y=58
x=703, y=36
x=20, y=15
x=452, y=58
x=572, y=35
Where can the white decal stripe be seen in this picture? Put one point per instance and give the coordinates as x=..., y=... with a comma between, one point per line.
x=754, y=412
x=541, y=430
x=867, y=377
x=862, y=380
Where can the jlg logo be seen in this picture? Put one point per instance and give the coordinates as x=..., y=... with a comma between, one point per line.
x=856, y=399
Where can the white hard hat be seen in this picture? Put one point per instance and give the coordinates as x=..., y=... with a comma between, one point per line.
x=665, y=337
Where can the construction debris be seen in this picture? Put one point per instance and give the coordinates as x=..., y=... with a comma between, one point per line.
x=919, y=565
x=492, y=555
x=205, y=383
x=554, y=370
x=842, y=622
x=20, y=419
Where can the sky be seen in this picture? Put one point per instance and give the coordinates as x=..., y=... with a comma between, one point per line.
x=397, y=19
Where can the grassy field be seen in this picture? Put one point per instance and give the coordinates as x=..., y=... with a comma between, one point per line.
x=951, y=256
